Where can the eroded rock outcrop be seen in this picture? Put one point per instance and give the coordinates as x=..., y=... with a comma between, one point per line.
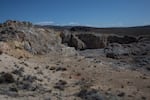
x=77, y=43
x=115, y=50
x=122, y=39
x=93, y=41
x=33, y=39
x=84, y=41
x=72, y=40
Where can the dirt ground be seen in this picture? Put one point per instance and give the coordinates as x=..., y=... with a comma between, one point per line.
x=77, y=72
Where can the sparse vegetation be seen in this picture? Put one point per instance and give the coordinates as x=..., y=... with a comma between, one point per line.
x=73, y=63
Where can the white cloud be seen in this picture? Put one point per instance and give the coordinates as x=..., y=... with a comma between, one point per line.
x=73, y=23
x=67, y=24
x=119, y=24
x=78, y=24
x=45, y=23
x=53, y=23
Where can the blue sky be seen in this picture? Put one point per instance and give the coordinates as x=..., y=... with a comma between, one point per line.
x=100, y=13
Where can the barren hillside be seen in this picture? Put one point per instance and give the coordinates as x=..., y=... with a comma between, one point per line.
x=73, y=63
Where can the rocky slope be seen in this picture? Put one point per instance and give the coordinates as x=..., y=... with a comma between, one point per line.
x=38, y=63
x=111, y=45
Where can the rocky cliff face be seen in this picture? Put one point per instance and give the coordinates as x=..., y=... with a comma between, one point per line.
x=95, y=40
x=84, y=41
x=24, y=35
x=115, y=46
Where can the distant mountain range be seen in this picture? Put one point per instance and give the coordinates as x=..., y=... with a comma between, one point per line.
x=88, y=27
x=136, y=30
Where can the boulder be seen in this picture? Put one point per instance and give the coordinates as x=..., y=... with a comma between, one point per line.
x=4, y=47
x=27, y=46
x=65, y=36
x=69, y=51
x=115, y=50
x=77, y=43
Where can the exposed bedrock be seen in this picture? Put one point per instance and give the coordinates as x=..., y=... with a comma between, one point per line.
x=24, y=35
x=115, y=50
x=94, y=41
x=84, y=41
x=72, y=41
x=122, y=40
